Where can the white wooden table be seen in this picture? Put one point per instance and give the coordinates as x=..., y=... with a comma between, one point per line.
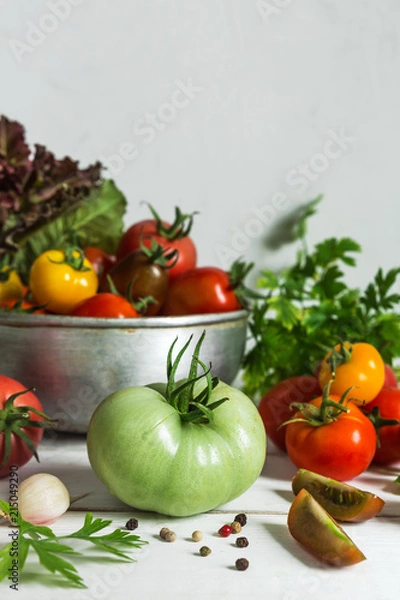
x=279, y=568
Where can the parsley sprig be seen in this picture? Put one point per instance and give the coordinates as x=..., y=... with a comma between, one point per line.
x=309, y=307
x=50, y=548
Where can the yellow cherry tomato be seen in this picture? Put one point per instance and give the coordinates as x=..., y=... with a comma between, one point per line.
x=61, y=279
x=364, y=369
x=11, y=286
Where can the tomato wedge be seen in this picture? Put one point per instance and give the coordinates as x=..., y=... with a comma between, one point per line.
x=342, y=501
x=320, y=534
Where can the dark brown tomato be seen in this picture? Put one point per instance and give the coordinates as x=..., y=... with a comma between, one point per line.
x=137, y=277
x=342, y=501
x=312, y=526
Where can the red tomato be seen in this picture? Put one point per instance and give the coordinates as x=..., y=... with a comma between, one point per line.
x=100, y=260
x=107, y=305
x=388, y=403
x=390, y=377
x=341, y=449
x=20, y=452
x=200, y=291
x=275, y=408
x=173, y=237
x=22, y=305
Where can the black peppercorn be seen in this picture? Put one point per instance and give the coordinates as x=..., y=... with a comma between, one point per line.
x=242, y=564
x=241, y=518
x=242, y=542
x=132, y=524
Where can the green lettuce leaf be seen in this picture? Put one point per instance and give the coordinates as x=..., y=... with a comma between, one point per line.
x=96, y=220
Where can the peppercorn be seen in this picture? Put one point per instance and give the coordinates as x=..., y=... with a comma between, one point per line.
x=242, y=564
x=242, y=542
x=205, y=551
x=132, y=524
x=241, y=518
x=225, y=530
x=197, y=536
x=163, y=532
x=236, y=527
x=170, y=536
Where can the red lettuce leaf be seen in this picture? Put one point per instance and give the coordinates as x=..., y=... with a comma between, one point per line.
x=36, y=188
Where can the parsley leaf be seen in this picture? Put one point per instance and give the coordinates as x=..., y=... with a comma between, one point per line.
x=48, y=547
x=307, y=307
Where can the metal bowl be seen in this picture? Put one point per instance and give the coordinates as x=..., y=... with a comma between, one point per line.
x=75, y=362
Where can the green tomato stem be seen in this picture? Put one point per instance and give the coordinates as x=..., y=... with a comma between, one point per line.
x=339, y=357
x=328, y=412
x=181, y=395
x=73, y=257
x=179, y=229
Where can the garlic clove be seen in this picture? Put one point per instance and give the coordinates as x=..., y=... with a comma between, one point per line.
x=42, y=499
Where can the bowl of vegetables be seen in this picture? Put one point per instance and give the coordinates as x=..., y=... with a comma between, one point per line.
x=73, y=363
x=88, y=305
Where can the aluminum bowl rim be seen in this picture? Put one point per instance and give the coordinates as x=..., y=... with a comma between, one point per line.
x=156, y=322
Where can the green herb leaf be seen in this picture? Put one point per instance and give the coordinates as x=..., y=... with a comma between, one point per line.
x=307, y=307
x=48, y=547
x=286, y=312
x=95, y=220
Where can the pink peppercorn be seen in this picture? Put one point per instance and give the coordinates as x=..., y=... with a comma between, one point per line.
x=225, y=530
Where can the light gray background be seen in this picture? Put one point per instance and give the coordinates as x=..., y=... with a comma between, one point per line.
x=240, y=109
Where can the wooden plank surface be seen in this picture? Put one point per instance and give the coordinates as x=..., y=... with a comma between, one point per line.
x=279, y=568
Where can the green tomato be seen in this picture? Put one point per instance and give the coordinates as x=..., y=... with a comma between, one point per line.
x=152, y=459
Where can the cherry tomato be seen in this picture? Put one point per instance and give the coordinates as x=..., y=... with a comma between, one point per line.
x=11, y=285
x=390, y=377
x=61, y=279
x=173, y=236
x=105, y=304
x=20, y=450
x=275, y=408
x=141, y=275
x=341, y=449
x=200, y=291
x=388, y=448
x=364, y=369
x=22, y=305
x=100, y=260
